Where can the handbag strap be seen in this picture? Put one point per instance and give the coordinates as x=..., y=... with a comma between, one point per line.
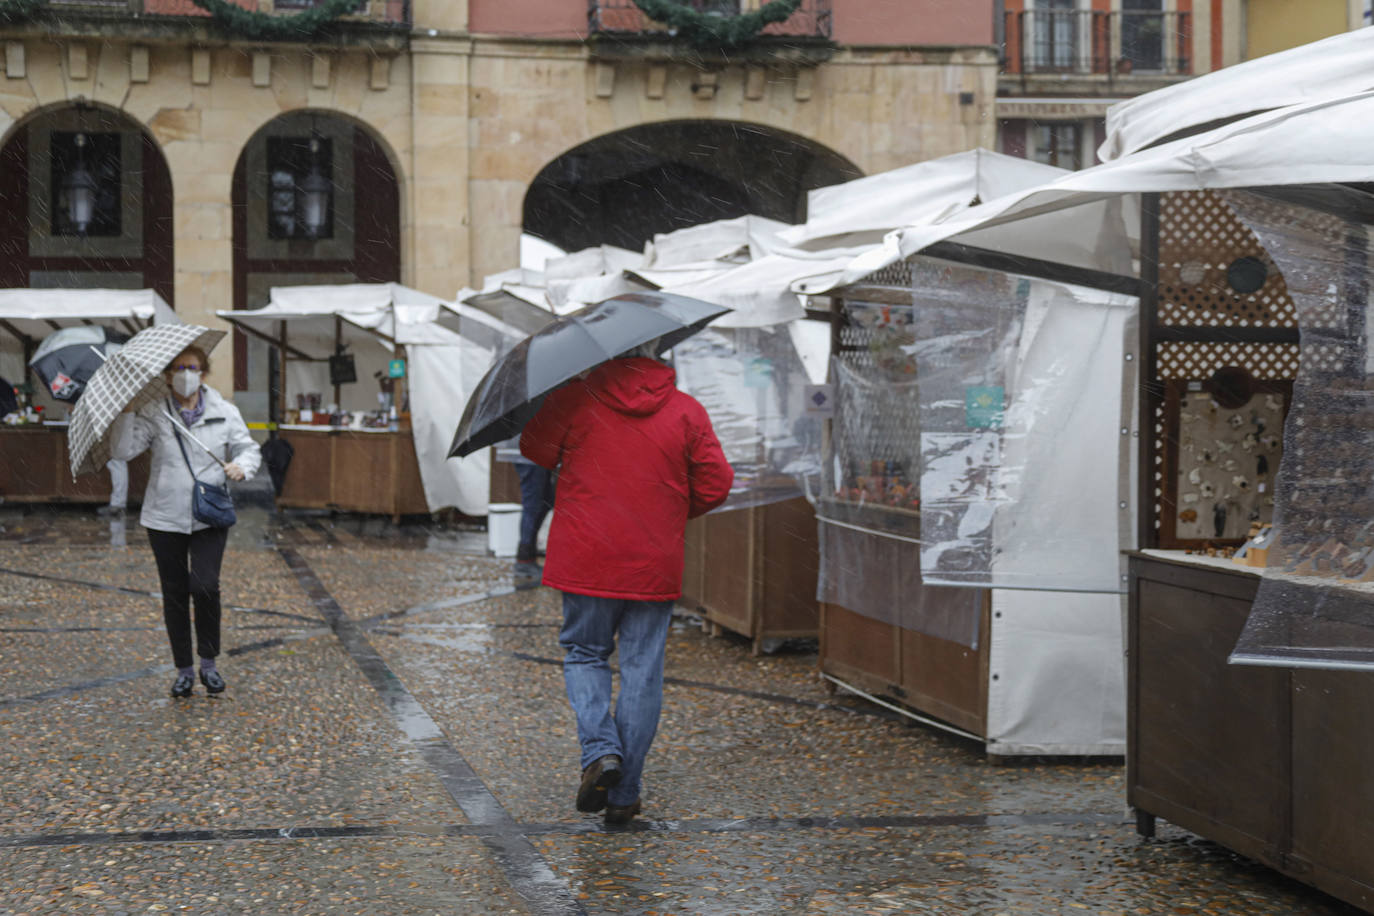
x=176, y=434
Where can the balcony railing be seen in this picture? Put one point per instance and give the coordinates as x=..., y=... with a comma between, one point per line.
x=1115, y=43
x=391, y=12
x=623, y=18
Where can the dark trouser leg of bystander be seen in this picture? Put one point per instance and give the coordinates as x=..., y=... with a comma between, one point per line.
x=170, y=552
x=207, y=554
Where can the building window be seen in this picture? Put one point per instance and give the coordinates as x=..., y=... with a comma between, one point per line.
x=1142, y=34
x=1054, y=41
x=1058, y=143
x=291, y=161
x=89, y=165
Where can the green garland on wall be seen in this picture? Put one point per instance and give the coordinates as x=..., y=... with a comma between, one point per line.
x=705, y=30
x=271, y=27
x=19, y=10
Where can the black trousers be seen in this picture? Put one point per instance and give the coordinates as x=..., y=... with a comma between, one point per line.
x=188, y=565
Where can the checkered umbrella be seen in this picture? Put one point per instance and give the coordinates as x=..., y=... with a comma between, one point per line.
x=128, y=380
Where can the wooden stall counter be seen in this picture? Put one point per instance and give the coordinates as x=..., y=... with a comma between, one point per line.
x=35, y=467
x=753, y=571
x=352, y=470
x=1271, y=762
x=892, y=658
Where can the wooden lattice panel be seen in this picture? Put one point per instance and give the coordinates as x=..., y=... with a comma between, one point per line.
x=1199, y=238
x=1194, y=360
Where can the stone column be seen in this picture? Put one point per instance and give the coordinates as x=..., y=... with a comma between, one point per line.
x=438, y=232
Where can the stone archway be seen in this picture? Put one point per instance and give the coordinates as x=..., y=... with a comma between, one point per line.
x=623, y=187
x=360, y=241
x=128, y=244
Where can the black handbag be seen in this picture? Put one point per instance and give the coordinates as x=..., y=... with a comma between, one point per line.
x=210, y=504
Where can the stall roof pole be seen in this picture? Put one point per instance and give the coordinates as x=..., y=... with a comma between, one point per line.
x=275, y=341
x=1035, y=267
x=281, y=376
x=338, y=348
x=1149, y=393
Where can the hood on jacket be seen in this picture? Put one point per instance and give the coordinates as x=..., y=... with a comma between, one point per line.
x=637, y=386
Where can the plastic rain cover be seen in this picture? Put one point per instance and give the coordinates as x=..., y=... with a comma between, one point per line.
x=1022, y=429
x=870, y=524
x=1315, y=604
x=753, y=384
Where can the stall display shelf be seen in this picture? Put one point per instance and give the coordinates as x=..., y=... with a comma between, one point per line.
x=1270, y=762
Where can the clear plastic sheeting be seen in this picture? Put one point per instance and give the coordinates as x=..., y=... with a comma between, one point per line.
x=868, y=508
x=874, y=574
x=752, y=383
x=1315, y=605
x=1021, y=429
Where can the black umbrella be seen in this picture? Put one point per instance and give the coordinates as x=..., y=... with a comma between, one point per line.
x=8, y=402
x=67, y=359
x=510, y=393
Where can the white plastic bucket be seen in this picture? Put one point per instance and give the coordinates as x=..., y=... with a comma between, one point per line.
x=503, y=528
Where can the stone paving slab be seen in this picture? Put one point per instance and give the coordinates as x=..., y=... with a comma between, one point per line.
x=368, y=877
x=1101, y=870
x=780, y=759
x=299, y=738
x=409, y=687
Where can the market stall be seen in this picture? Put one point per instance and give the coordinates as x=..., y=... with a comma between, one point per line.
x=33, y=441
x=366, y=387
x=1247, y=692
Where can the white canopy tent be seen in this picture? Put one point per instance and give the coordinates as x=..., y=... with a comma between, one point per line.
x=29, y=315
x=370, y=321
x=861, y=211
x=1332, y=68
x=1079, y=223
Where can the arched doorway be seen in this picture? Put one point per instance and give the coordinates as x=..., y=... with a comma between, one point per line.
x=315, y=201
x=120, y=236
x=624, y=187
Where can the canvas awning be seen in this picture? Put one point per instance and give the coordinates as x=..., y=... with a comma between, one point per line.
x=32, y=314
x=1332, y=68
x=1079, y=220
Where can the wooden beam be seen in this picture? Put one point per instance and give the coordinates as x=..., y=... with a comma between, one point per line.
x=1149, y=392
x=1035, y=267
x=254, y=332
x=23, y=338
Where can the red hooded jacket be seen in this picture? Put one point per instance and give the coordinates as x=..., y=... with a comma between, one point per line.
x=638, y=458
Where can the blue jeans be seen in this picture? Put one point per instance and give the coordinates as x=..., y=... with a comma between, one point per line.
x=536, y=499
x=588, y=638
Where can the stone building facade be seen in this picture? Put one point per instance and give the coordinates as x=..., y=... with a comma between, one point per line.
x=430, y=121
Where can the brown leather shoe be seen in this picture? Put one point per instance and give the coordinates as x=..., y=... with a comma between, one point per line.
x=597, y=780
x=619, y=815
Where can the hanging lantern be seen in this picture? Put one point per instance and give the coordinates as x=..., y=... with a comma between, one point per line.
x=312, y=196
x=80, y=187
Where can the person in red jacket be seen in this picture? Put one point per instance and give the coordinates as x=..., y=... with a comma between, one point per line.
x=637, y=458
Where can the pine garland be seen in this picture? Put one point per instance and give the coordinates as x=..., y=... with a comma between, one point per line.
x=270, y=27
x=19, y=10
x=704, y=30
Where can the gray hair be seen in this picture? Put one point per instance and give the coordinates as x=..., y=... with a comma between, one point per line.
x=649, y=349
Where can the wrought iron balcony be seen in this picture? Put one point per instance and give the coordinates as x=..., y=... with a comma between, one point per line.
x=388, y=12
x=1095, y=42
x=622, y=18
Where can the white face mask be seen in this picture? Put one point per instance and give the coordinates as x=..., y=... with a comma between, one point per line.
x=186, y=382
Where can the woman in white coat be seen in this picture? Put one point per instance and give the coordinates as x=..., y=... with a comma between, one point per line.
x=188, y=552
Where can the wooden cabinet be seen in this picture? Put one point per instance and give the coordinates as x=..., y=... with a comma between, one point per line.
x=1271, y=762
x=753, y=571
x=35, y=466
x=373, y=472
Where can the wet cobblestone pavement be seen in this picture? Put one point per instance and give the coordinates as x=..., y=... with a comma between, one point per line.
x=395, y=740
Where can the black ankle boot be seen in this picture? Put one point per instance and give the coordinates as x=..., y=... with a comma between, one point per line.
x=525, y=553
